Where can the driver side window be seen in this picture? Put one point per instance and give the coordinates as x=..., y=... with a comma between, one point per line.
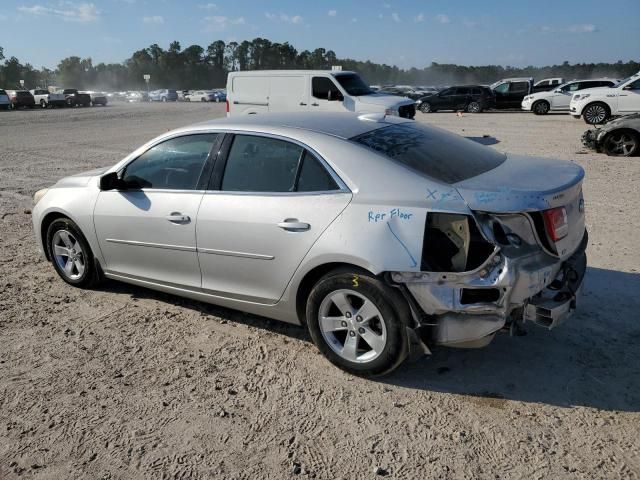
x=321, y=86
x=175, y=164
x=502, y=88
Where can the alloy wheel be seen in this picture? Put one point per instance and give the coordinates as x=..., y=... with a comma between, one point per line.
x=352, y=326
x=473, y=107
x=542, y=108
x=621, y=144
x=595, y=114
x=425, y=107
x=68, y=254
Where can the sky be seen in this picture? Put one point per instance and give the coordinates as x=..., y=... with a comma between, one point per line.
x=406, y=33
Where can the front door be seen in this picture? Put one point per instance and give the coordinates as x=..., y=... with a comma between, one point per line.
x=629, y=98
x=272, y=201
x=148, y=230
x=325, y=96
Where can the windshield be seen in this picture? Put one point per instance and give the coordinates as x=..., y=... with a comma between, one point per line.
x=623, y=81
x=433, y=152
x=353, y=84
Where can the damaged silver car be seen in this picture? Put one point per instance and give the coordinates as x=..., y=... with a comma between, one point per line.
x=382, y=236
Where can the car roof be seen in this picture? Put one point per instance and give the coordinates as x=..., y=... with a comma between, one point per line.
x=290, y=72
x=343, y=125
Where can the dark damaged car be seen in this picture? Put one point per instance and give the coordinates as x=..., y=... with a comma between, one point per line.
x=619, y=137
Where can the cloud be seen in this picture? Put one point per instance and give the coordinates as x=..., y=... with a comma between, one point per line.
x=469, y=23
x=67, y=11
x=332, y=13
x=584, y=28
x=442, y=18
x=153, y=20
x=218, y=23
x=419, y=18
x=283, y=17
x=208, y=6
x=396, y=17
x=386, y=5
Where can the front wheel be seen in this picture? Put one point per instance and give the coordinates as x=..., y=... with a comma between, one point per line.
x=622, y=143
x=595, y=113
x=354, y=321
x=43, y=104
x=541, y=108
x=425, y=107
x=164, y=99
x=70, y=254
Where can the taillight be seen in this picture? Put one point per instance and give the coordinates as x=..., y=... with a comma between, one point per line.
x=556, y=223
x=227, y=102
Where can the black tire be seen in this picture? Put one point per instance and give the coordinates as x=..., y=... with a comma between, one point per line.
x=391, y=306
x=164, y=99
x=90, y=275
x=474, y=107
x=541, y=107
x=425, y=107
x=203, y=99
x=596, y=113
x=43, y=104
x=621, y=143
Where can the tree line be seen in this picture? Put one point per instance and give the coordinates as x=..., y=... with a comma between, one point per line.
x=195, y=67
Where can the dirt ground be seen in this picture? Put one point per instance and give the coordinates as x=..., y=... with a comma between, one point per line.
x=122, y=382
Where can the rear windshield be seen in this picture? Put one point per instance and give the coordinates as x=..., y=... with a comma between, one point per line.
x=436, y=153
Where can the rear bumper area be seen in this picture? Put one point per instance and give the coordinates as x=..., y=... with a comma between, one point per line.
x=466, y=309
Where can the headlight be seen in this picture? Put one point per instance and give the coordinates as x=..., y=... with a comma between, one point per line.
x=38, y=195
x=392, y=111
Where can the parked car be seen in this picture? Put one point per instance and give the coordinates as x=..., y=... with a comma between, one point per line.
x=5, y=101
x=76, y=99
x=558, y=100
x=163, y=95
x=469, y=98
x=135, y=97
x=547, y=84
x=182, y=95
x=381, y=235
x=619, y=137
x=99, y=98
x=264, y=91
x=200, y=96
x=403, y=91
x=43, y=98
x=21, y=98
x=220, y=94
x=510, y=92
x=596, y=105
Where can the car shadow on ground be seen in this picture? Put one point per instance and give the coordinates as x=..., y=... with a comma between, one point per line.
x=485, y=140
x=592, y=360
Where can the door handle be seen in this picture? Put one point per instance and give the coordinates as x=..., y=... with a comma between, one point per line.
x=302, y=104
x=315, y=104
x=177, y=217
x=293, y=225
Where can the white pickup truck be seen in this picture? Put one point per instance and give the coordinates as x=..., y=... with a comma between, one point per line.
x=44, y=98
x=596, y=105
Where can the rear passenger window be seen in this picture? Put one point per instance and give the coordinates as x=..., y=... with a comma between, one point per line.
x=462, y=91
x=476, y=91
x=314, y=177
x=260, y=164
x=519, y=87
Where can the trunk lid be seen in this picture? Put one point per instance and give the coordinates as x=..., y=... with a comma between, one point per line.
x=529, y=185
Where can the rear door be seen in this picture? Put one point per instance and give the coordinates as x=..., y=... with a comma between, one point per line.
x=270, y=200
x=288, y=93
x=517, y=91
x=250, y=94
x=445, y=100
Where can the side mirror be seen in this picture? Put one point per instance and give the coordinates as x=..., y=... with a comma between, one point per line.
x=111, y=181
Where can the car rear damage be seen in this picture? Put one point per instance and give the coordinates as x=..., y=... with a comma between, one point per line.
x=519, y=256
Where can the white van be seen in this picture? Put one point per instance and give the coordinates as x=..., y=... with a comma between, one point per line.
x=263, y=91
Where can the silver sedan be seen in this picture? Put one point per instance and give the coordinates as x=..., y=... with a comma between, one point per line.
x=382, y=236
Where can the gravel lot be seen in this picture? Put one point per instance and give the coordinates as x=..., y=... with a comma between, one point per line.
x=122, y=382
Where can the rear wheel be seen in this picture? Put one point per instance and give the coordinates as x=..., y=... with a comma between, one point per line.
x=621, y=143
x=474, y=107
x=43, y=103
x=70, y=254
x=541, y=108
x=596, y=113
x=164, y=99
x=353, y=320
